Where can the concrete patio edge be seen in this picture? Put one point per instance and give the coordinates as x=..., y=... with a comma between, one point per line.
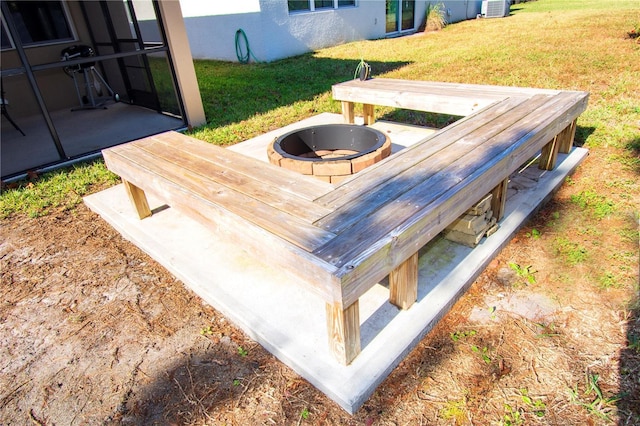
x=289, y=322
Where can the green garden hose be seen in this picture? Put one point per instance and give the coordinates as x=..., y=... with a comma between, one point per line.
x=363, y=71
x=243, y=58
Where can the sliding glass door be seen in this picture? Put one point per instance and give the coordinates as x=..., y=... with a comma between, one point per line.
x=400, y=15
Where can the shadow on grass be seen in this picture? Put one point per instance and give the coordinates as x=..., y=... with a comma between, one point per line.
x=234, y=92
x=633, y=147
x=419, y=118
x=582, y=134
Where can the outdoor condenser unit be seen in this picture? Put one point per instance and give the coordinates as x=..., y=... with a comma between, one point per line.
x=495, y=8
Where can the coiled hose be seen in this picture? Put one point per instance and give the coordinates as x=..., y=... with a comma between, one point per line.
x=243, y=58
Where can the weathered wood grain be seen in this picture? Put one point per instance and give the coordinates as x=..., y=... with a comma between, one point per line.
x=236, y=176
x=301, y=186
x=311, y=272
x=499, y=199
x=437, y=203
x=403, y=283
x=379, y=174
x=348, y=112
x=429, y=165
x=437, y=97
x=566, y=138
x=343, y=326
x=138, y=199
x=278, y=222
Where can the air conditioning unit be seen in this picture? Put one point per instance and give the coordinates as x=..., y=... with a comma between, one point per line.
x=495, y=8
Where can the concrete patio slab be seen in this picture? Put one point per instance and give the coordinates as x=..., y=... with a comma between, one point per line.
x=289, y=321
x=118, y=123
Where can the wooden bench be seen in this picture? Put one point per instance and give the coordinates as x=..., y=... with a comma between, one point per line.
x=339, y=241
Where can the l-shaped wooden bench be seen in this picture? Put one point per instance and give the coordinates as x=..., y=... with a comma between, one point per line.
x=338, y=241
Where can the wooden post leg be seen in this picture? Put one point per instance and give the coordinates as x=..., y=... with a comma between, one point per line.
x=566, y=138
x=343, y=327
x=499, y=199
x=403, y=283
x=348, y=112
x=369, y=114
x=549, y=154
x=138, y=199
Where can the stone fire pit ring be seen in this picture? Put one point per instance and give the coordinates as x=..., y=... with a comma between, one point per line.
x=331, y=152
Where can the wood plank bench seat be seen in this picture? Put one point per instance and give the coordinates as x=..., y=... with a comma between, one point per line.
x=339, y=241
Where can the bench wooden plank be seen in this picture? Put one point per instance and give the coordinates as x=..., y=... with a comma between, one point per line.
x=379, y=174
x=436, y=203
x=438, y=97
x=440, y=87
x=232, y=177
x=285, y=180
x=366, y=91
x=165, y=172
x=432, y=160
x=443, y=104
x=451, y=164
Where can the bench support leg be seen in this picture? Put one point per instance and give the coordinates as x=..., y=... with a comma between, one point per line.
x=343, y=327
x=562, y=142
x=369, y=114
x=549, y=155
x=566, y=138
x=403, y=283
x=348, y=112
x=138, y=199
x=499, y=199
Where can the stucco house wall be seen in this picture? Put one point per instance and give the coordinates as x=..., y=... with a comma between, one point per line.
x=274, y=33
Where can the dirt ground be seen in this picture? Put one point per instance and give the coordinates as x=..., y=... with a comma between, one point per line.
x=93, y=331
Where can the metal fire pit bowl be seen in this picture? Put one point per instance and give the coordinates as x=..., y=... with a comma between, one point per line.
x=330, y=152
x=329, y=142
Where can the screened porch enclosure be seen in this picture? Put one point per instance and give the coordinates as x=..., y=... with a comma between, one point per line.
x=81, y=76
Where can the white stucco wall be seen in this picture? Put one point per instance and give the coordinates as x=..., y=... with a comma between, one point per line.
x=460, y=10
x=274, y=33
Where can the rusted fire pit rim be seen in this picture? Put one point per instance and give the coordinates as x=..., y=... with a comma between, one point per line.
x=329, y=137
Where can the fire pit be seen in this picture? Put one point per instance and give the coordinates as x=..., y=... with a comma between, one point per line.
x=331, y=152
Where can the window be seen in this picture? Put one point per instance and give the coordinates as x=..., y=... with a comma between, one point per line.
x=296, y=5
x=311, y=5
x=39, y=22
x=323, y=4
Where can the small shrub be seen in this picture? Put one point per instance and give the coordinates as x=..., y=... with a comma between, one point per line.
x=434, y=17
